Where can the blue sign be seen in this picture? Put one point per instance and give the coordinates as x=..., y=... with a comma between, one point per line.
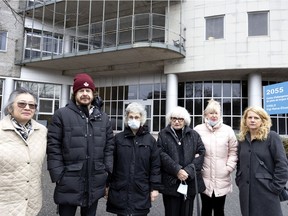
x=276, y=98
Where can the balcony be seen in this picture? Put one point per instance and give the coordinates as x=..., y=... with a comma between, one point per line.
x=97, y=44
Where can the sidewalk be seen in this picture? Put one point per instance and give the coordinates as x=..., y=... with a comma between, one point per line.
x=232, y=207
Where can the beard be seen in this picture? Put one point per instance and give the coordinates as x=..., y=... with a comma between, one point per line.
x=84, y=100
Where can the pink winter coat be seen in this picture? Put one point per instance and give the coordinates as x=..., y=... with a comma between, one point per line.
x=220, y=157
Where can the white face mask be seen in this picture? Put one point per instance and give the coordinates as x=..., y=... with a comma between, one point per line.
x=212, y=123
x=133, y=124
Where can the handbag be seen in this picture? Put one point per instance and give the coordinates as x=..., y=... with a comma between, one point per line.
x=283, y=196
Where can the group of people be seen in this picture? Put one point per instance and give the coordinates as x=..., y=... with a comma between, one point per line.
x=87, y=161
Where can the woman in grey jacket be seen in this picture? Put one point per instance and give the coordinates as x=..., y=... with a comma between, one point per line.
x=259, y=188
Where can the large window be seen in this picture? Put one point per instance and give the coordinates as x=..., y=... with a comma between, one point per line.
x=232, y=96
x=258, y=23
x=3, y=41
x=48, y=98
x=152, y=95
x=40, y=45
x=214, y=27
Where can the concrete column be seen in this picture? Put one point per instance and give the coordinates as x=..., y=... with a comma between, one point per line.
x=67, y=44
x=255, y=89
x=65, y=96
x=8, y=88
x=171, y=93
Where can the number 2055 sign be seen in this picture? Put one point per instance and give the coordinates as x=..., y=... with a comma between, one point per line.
x=276, y=98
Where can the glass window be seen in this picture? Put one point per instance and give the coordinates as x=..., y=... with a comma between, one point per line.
x=214, y=27
x=258, y=23
x=207, y=89
x=3, y=41
x=145, y=91
x=181, y=89
x=45, y=106
x=217, y=89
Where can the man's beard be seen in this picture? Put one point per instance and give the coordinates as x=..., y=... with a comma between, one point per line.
x=87, y=100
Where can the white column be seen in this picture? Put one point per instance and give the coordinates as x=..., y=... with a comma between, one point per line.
x=67, y=44
x=172, y=92
x=255, y=89
x=65, y=96
x=8, y=88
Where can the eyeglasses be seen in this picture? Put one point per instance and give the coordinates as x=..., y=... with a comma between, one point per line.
x=174, y=119
x=23, y=105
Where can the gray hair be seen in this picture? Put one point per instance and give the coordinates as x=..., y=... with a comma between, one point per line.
x=9, y=107
x=136, y=108
x=179, y=112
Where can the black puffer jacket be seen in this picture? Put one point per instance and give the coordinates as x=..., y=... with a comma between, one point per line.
x=136, y=172
x=192, y=145
x=79, y=155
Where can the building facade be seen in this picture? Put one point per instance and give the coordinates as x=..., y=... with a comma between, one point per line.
x=160, y=53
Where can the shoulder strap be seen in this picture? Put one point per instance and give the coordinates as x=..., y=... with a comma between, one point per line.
x=261, y=162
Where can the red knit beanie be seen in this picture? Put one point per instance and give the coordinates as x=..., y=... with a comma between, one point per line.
x=83, y=80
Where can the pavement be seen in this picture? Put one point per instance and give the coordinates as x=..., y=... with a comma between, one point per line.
x=232, y=207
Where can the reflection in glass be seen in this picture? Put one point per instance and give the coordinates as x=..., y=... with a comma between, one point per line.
x=189, y=89
x=207, y=89
x=145, y=91
x=236, y=89
x=198, y=89
x=226, y=89
x=226, y=107
x=46, y=90
x=46, y=106
x=217, y=89
x=132, y=92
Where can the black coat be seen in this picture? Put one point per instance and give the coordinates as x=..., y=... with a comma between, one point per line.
x=192, y=145
x=79, y=155
x=258, y=189
x=136, y=172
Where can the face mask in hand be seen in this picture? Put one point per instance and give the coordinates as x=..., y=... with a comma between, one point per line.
x=134, y=124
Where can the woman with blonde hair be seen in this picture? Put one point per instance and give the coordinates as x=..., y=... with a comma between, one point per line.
x=219, y=161
x=262, y=167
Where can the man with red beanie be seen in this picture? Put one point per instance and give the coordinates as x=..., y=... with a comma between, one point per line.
x=80, y=151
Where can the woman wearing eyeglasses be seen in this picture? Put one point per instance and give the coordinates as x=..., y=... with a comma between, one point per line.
x=182, y=150
x=22, y=152
x=220, y=159
x=136, y=176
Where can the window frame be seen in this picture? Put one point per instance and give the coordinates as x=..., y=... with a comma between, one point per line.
x=251, y=30
x=213, y=34
x=6, y=37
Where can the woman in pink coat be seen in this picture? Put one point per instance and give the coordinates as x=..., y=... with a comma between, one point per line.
x=219, y=161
